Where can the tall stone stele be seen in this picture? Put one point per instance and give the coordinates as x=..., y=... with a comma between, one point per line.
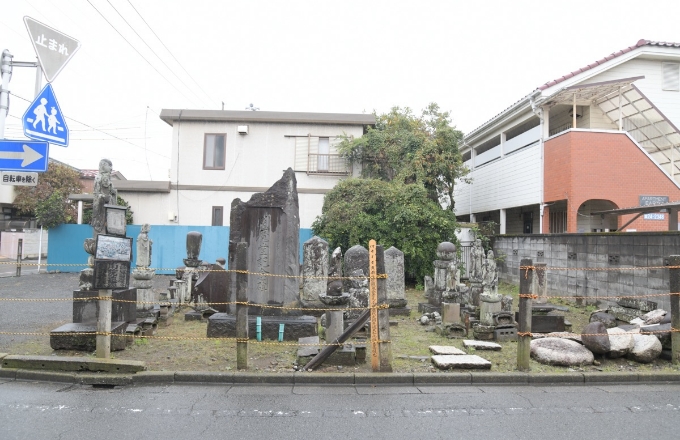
x=396, y=286
x=142, y=275
x=270, y=223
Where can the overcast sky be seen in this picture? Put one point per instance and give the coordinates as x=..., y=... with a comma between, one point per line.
x=474, y=58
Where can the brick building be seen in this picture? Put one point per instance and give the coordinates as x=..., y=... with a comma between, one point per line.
x=600, y=138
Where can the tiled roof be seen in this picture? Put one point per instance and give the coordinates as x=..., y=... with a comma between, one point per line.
x=607, y=58
x=583, y=69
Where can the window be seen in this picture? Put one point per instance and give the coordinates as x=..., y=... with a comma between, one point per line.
x=217, y=215
x=214, y=151
x=324, y=154
x=671, y=76
x=319, y=155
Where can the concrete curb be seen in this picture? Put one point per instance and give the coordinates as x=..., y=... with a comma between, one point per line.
x=145, y=378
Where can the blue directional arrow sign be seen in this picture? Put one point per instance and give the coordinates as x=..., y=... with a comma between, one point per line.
x=43, y=120
x=24, y=156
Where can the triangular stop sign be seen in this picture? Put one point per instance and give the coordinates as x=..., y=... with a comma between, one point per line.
x=53, y=48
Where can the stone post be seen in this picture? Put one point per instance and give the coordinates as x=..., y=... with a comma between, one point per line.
x=103, y=338
x=242, y=306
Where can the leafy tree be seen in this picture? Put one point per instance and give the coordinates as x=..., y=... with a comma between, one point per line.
x=411, y=149
x=87, y=212
x=48, y=200
x=393, y=213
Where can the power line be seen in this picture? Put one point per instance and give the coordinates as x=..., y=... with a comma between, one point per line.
x=135, y=49
x=151, y=49
x=91, y=127
x=169, y=51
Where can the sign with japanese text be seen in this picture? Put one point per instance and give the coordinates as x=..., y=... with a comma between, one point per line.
x=53, y=48
x=18, y=178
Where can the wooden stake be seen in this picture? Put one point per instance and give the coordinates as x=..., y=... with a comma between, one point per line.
x=385, y=347
x=373, y=304
x=526, y=277
x=104, y=324
x=241, y=308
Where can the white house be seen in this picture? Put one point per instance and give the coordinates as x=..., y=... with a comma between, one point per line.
x=600, y=138
x=220, y=155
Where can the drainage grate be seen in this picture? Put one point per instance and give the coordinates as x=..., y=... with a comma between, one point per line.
x=613, y=259
x=515, y=252
x=571, y=256
x=539, y=254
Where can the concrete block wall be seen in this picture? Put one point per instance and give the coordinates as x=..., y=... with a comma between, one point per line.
x=594, y=266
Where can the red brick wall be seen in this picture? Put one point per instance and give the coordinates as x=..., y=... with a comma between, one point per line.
x=581, y=166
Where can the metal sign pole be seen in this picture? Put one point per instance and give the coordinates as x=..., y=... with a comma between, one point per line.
x=6, y=73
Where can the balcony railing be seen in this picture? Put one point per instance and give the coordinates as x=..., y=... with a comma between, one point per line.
x=560, y=129
x=328, y=164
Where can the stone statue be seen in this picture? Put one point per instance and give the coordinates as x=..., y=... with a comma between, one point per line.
x=476, y=261
x=102, y=195
x=489, y=272
x=144, y=247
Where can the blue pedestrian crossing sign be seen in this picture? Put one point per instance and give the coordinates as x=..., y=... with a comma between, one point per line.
x=43, y=120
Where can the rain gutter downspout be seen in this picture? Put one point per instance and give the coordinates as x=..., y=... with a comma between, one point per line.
x=538, y=111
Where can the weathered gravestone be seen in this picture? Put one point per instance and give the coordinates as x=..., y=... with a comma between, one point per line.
x=314, y=271
x=396, y=287
x=270, y=223
x=356, y=267
x=211, y=288
x=142, y=275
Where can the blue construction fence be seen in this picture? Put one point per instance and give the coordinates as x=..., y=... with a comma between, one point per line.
x=66, y=252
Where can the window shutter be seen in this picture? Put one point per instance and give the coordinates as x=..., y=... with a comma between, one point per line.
x=671, y=76
x=301, y=153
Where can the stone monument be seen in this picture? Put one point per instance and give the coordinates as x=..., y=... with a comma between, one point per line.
x=446, y=286
x=476, y=268
x=396, y=285
x=142, y=275
x=270, y=223
x=314, y=271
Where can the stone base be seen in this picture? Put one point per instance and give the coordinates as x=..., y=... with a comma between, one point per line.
x=87, y=311
x=451, y=330
x=145, y=298
x=193, y=316
x=222, y=325
x=545, y=323
x=345, y=355
x=481, y=345
x=308, y=349
x=71, y=337
x=428, y=308
x=505, y=334
x=400, y=311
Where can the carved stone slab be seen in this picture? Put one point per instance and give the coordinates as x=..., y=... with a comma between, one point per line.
x=111, y=274
x=481, y=345
x=446, y=350
x=466, y=361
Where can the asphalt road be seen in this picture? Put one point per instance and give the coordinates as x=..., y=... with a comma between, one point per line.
x=54, y=411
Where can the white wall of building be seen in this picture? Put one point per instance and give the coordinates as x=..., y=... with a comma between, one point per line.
x=668, y=102
x=514, y=180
